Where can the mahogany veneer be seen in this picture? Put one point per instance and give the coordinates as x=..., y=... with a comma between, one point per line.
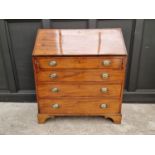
x=79, y=72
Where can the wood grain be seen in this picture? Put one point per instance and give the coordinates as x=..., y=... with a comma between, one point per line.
x=81, y=106
x=79, y=42
x=76, y=90
x=70, y=75
x=79, y=56
x=80, y=62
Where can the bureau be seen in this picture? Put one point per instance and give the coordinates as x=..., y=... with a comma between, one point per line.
x=79, y=72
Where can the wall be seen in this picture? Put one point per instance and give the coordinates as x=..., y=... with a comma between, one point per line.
x=17, y=40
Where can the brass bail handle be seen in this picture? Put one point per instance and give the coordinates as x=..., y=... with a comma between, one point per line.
x=103, y=106
x=53, y=75
x=104, y=90
x=55, y=90
x=55, y=106
x=105, y=75
x=106, y=62
x=52, y=63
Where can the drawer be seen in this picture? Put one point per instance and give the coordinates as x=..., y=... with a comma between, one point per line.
x=80, y=62
x=83, y=90
x=81, y=75
x=89, y=106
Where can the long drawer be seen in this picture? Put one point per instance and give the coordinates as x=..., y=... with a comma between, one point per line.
x=81, y=75
x=80, y=62
x=83, y=90
x=89, y=106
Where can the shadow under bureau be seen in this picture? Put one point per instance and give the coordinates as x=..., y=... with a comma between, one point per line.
x=79, y=72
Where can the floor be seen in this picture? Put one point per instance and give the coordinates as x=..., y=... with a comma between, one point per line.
x=20, y=119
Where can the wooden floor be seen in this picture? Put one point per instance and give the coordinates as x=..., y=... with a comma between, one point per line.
x=21, y=119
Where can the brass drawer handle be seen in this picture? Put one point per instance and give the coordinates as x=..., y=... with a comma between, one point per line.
x=55, y=106
x=53, y=75
x=106, y=62
x=103, y=106
x=105, y=75
x=55, y=90
x=104, y=90
x=52, y=63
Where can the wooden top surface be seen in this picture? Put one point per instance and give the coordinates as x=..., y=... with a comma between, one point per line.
x=79, y=42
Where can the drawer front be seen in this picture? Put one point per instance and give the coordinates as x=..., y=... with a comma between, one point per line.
x=83, y=90
x=80, y=75
x=79, y=106
x=80, y=62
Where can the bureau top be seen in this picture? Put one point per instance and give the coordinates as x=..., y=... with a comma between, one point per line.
x=79, y=42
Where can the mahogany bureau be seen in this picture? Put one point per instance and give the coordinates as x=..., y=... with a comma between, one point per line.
x=79, y=72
